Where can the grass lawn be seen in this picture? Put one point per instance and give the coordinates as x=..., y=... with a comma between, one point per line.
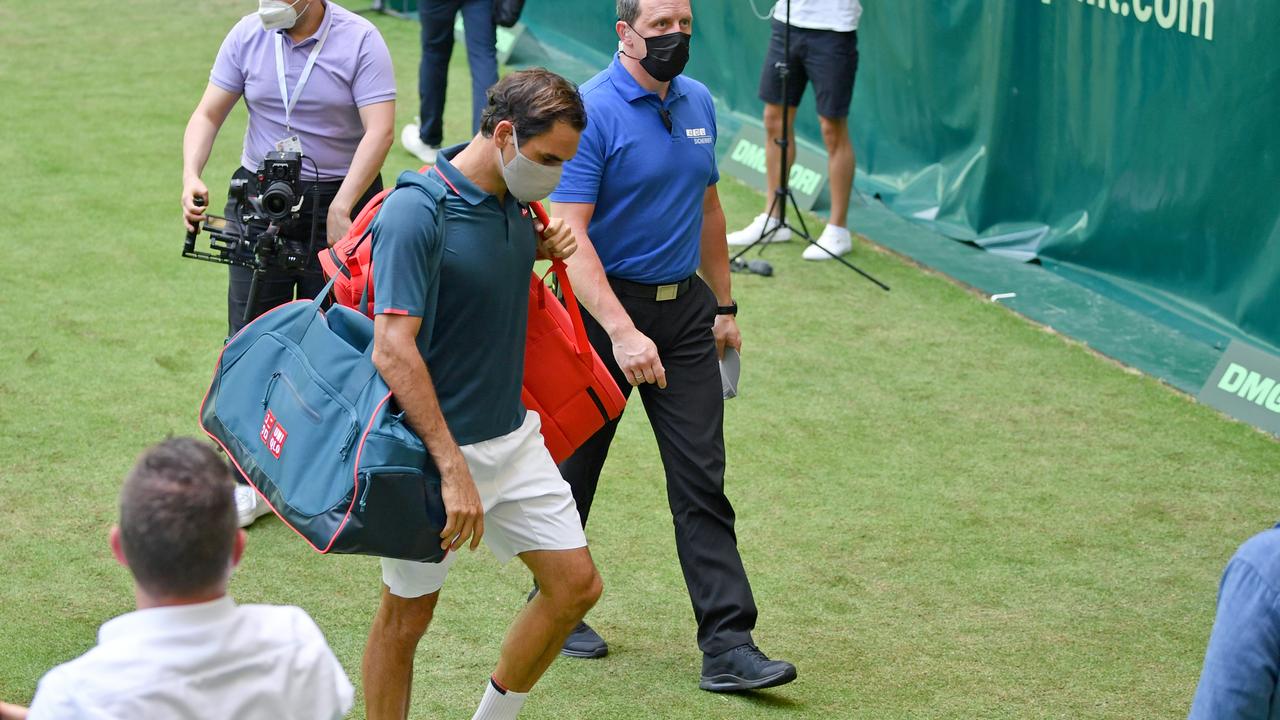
x=945, y=511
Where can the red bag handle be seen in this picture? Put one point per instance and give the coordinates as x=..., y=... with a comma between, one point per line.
x=566, y=288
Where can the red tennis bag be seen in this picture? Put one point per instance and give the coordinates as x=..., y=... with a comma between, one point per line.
x=565, y=381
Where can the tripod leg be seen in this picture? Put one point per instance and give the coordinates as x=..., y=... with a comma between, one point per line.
x=252, y=301
x=815, y=243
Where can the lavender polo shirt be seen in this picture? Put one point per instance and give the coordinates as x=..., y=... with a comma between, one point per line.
x=353, y=70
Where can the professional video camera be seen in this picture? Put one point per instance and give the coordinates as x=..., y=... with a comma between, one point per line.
x=254, y=240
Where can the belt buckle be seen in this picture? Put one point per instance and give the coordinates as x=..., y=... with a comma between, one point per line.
x=668, y=292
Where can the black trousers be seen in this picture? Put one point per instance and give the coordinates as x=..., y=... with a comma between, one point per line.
x=277, y=287
x=688, y=423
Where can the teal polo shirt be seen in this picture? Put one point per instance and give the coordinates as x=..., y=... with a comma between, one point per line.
x=647, y=182
x=468, y=279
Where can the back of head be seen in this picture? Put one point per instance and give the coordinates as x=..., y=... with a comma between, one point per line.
x=178, y=520
x=533, y=101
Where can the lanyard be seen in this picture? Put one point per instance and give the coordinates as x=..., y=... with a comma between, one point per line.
x=289, y=103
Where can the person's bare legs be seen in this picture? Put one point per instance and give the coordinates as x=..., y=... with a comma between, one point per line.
x=840, y=166
x=773, y=153
x=568, y=586
x=387, y=669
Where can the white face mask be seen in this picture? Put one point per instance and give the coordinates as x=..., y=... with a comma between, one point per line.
x=278, y=15
x=526, y=179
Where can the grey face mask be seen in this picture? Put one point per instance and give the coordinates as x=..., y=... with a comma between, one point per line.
x=526, y=179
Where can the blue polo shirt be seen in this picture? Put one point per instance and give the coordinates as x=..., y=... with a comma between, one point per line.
x=1241, y=677
x=467, y=277
x=647, y=183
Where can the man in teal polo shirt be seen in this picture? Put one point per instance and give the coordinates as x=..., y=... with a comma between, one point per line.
x=452, y=253
x=653, y=270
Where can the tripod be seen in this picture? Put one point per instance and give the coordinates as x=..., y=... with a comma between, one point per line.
x=782, y=195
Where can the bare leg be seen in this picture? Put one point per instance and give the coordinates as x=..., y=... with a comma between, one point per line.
x=568, y=585
x=840, y=166
x=773, y=153
x=388, y=657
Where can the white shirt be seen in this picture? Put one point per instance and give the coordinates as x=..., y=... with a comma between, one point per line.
x=210, y=660
x=838, y=15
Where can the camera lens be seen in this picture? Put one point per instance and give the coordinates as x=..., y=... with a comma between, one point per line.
x=278, y=201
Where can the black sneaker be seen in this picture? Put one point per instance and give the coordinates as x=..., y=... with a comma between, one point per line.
x=583, y=642
x=744, y=668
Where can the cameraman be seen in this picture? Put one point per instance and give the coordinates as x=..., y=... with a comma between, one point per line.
x=317, y=79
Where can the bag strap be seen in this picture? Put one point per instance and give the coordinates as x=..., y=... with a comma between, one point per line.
x=348, y=263
x=566, y=288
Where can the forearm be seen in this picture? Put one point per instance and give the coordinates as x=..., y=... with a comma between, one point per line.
x=197, y=143
x=592, y=289
x=410, y=383
x=714, y=267
x=365, y=166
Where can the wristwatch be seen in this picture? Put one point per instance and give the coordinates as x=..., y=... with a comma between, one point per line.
x=730, y=309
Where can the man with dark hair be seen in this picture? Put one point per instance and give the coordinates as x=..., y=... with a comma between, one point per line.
x=453, y=250
x=653, y=270
x=189, y=651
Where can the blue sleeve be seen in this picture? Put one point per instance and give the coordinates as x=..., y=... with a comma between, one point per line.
x=715, y=137
x=1240, y=665
x=407, y=250
x=580, y=182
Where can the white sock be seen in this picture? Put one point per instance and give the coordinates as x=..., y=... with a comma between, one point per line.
x=499, y=704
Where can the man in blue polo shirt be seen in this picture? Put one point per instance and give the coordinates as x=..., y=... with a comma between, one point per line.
x=452, y=253
x=1241, y=677
x=641, y=198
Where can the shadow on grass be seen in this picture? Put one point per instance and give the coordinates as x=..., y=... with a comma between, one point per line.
x=767, y=700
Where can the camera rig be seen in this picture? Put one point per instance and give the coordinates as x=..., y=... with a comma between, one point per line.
x=255, y=239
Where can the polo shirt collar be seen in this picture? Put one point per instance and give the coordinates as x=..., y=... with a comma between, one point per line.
x=630, y=90
x=319, y=33
x=466, y=189
x=165, y=620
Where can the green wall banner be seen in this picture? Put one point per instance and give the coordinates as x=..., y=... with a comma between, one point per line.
x=1246, y=385
x=1135, y=141
x=1130, y=146
x=745, y=160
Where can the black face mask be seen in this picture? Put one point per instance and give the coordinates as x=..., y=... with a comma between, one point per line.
x=665, y=55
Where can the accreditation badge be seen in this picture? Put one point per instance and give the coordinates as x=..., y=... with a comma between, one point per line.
x=290, y=144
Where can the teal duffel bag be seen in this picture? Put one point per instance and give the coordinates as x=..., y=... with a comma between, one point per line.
x=299, y=407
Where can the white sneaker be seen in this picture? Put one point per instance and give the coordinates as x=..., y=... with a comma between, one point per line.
x=249, y=506
x=412, y=142
x=836, y=239
x=752, y=232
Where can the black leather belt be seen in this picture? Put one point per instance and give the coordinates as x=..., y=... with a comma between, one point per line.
x=659, y=293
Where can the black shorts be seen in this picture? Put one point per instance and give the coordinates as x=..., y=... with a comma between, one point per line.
x=827, y=58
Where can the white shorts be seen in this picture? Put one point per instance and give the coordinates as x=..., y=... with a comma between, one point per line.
x=527, y=506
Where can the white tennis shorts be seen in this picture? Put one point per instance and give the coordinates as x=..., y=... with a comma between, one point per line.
x=527, y=506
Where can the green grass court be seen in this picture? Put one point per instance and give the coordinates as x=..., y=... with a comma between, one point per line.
x=946, y=511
